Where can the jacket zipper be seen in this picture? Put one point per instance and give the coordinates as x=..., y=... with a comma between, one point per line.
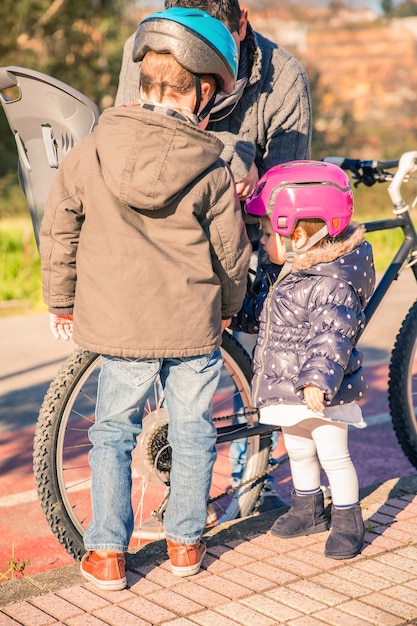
x=262, y=349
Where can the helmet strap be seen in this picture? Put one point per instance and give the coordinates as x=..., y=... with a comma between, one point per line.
x=202, y=116
x=206, y=111
x=320, y=234
x=197, y=83
x=291, y=252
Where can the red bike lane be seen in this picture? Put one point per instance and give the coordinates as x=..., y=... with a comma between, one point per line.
x=25, y=534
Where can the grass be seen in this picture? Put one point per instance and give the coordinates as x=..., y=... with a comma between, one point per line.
x=16, y=568
x=20, y=276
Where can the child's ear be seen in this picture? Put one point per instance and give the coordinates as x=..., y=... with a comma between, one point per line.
x=206, y=89
x=299, y=237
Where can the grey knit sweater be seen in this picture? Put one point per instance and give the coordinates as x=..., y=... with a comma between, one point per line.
x=272, y=121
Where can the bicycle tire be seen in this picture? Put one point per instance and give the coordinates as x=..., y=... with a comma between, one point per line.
x=402, y=386
x=61, y=445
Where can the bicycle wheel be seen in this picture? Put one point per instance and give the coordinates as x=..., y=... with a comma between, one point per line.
x=402, y=386
x=61, y=447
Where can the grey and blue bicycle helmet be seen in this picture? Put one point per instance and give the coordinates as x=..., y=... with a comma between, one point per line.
x=199, y=43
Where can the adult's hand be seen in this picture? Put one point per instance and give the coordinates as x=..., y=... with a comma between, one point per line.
x=247, y=186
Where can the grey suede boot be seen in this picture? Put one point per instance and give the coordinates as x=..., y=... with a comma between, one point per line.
x=305, y=517
x=346, y=533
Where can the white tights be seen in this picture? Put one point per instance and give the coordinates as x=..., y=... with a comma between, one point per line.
x=313, y=443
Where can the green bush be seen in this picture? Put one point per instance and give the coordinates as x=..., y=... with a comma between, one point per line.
x=20, y=276
x=12, y=200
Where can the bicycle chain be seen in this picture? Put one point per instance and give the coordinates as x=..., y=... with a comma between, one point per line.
x=236, y=415
x=271, y=467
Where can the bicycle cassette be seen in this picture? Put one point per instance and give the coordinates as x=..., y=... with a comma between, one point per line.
x=151, y=458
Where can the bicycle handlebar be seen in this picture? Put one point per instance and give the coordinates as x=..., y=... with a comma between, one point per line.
x=367, y=172
x=371, y=172
x=406, y=166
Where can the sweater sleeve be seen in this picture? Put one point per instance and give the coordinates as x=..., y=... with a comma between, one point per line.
x=273, y=122
x=239, y=153
x=288, y=116
x=128, y=88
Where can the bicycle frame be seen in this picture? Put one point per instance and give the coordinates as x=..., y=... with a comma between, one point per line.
x=235, y=432
x=407, y=248
x=370, y=172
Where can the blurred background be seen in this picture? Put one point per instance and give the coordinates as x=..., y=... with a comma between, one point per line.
x=360, y=57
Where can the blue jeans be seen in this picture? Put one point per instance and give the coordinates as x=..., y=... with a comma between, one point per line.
x=124, y=386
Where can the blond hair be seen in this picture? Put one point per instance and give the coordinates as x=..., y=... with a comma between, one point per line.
x=311, y=226
x=161, y=75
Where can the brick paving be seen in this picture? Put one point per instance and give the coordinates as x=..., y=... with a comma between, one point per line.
x=249, y=578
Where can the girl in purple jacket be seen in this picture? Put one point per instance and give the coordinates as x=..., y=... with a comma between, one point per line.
x=307, y=371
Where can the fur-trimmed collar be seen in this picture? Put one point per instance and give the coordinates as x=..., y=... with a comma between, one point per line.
x=350, y=239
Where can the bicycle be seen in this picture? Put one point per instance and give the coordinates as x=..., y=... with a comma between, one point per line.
x=61, y=442
x=61, y=412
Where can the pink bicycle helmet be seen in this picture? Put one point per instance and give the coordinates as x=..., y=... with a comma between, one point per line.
x=303, y=189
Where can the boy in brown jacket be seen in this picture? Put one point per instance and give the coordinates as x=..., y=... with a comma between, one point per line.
x=144, y=260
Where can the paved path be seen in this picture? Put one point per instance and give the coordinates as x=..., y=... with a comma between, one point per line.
x=249, y=578
x=30, y=358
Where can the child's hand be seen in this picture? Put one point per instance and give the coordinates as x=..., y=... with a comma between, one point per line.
x=226, y=323
x=61, y=326
x=314, y=398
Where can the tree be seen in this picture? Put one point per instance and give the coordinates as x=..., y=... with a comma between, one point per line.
x=77, y=41
x=387, y=6
x=406, y=9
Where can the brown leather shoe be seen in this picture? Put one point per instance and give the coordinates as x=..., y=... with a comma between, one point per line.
x=186, y=559
x=107, y=572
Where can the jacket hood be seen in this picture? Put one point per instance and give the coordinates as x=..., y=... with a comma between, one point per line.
x=151, y=178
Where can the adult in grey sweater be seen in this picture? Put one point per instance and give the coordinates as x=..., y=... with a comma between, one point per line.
x=267, y=120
